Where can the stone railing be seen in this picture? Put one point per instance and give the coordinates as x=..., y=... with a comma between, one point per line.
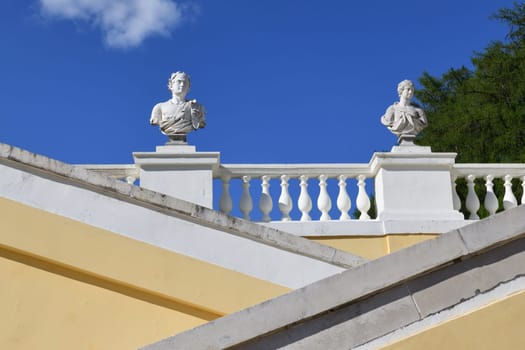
x=282, y=175
x=488, y=173
x=346, y=176
x=406, y=186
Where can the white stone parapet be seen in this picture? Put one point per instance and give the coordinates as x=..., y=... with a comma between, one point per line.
x=411, y=185
x=486, y=174
x=301, y=174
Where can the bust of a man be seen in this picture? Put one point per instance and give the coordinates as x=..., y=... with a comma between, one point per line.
x=402, y=118
x=178, y=116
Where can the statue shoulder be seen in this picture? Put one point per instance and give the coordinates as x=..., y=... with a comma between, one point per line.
x=391, y=108
x=419, y=109
x=156, y=114
x=158, y=107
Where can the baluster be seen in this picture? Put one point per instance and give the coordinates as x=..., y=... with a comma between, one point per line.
x=362, y=200
x=225, y=203
x=491, y=201
x=523, y=192
x=304, y=202
x=323, y=201
x=456, y=201
x=472, y=201
x=265, y=202
x=285, y=201
x=246, y=203
x=131, y=179
x=509, y=199
x=343, y=199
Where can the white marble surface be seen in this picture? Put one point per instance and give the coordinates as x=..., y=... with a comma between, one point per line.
x=179, y=171
x=402, y=118
x=414, y=186
x=178, y=116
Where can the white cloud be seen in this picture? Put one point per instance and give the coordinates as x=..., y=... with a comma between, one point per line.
x=125, y=23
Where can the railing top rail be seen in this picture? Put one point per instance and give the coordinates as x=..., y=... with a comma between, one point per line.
x=494, y=169
x=330, y=170
x=293, y=170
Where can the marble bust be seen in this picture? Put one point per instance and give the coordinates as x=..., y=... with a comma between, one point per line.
x=402, y=118
x=178, y=116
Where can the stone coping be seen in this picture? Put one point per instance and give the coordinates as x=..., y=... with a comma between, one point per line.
x=367, y=228
x=385, y=274
x=197, y=214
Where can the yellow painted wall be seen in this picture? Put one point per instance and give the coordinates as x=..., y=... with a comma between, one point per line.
x=372, y=247
x=43, y=310
x=496, y=326
x=398, y=242
x=68, y=285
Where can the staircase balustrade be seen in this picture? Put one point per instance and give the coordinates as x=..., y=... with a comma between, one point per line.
x=488, y=173
x=331, y=179
x=489, y=187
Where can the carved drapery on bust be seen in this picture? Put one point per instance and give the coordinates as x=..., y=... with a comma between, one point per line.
x=178, y=116
x=402, y=118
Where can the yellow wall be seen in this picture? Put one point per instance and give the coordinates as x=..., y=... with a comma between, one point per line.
x=42, y=310
x=68, y=285
x=372, y=247
x=496, y=326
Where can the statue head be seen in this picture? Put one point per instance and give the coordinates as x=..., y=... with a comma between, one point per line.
x=407, y=87
x=179, y=83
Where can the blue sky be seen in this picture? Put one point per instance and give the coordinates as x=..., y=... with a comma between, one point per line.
x=283, y=81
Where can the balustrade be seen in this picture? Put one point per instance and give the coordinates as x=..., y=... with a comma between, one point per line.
x=331, y=181
x=488, y=174
x=484, y=189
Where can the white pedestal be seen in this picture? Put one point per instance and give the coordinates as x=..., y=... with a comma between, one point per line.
x=412, y=183
x=179, y=171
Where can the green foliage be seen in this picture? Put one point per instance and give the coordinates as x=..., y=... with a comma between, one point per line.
x=480, y=112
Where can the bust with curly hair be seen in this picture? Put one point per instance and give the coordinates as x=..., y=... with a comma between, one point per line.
x=404, y=119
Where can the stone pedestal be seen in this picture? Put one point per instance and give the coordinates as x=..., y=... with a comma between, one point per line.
x=412, y=183
x=179, y=171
